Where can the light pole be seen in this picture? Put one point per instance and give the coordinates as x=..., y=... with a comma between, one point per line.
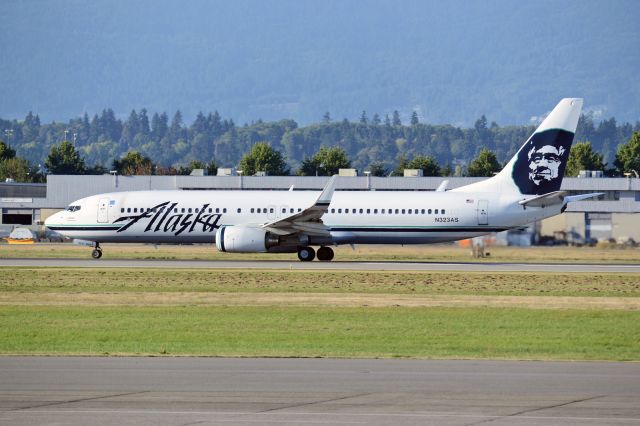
x=9, y=133
x=65, y=134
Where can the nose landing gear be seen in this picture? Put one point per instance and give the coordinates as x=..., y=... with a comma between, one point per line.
x=97, y=251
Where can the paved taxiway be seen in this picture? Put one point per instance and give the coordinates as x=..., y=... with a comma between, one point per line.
x=182, y=391
x=336, y=265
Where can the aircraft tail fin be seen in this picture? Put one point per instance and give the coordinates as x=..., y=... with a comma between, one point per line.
x=538, y=166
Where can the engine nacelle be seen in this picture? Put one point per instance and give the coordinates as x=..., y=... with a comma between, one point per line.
x=244, y=239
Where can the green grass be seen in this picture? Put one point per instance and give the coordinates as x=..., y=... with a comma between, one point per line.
x=419, y=253
x=109, y=280
x=325, y=332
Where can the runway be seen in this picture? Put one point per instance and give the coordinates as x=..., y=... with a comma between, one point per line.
x=185, y=391
x=333, y=266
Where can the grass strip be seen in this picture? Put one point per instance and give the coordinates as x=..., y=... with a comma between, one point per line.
x=116, y=280
x=497, y=333
x=418, y=253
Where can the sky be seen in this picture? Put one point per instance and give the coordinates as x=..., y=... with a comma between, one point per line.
x=449, y=61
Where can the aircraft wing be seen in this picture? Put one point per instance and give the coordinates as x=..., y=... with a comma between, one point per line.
x=308, y=220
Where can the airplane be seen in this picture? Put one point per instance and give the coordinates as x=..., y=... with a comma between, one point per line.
x=527, y=189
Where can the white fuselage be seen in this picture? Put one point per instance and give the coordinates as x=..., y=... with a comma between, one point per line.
x=373, y=217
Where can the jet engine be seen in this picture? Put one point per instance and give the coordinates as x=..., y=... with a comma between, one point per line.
x=245, y=239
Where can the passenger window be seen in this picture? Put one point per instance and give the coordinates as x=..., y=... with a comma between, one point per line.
x=252, y=209
x=291, y=210
x=375, y=211
x=429, y=211
x=284, y=210
x=189, y=210
x=360, y=211
x=210, y=210
x=416, y=211
x=339, y=210
x=224, y=210
x=217, y=209
x=122, y=210
x=333, y=210
x=175, y=210
x=402, y=211
x=368, y=211
x=442, y=211
x=195, y=210
x=422, y=211
x=409, y=211
x=128, y=209
x=436, y=212
x=299, y=209
x=271, y=210
x=135, y=210
x=239, y=210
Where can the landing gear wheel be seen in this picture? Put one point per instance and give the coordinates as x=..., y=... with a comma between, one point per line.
x=325, y=254
x=96, y=253
x=306, y=254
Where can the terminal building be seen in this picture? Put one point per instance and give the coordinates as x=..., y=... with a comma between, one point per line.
x=614, y=215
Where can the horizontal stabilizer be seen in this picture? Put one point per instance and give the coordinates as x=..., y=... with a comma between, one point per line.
x=544, y=200
x=579, y=197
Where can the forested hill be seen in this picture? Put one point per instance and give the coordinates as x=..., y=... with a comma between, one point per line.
x=451, y=61
x=370, y=140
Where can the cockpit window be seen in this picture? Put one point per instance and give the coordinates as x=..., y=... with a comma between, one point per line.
x=73, y=208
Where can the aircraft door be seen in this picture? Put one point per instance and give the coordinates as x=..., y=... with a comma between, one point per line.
x=103, y=210
x=483, y=212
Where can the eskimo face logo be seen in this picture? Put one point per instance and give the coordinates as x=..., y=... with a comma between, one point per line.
x=544, y=163
x=541, y=162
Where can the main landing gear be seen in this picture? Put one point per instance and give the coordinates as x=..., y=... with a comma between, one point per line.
x=307, y=254
x=97, y=251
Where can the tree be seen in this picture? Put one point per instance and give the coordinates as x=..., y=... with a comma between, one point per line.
x=378, y=169
x=428, y=165
x=628, y=156
x=134, y=163
x=403, y=163
x=414, y=118
x=582, y=157
x=6, y=152
x=396, y=119
x=211, y=168
x=263, y=158
x=325, y=162
x=485, y=164
x=65, y=160
x=15, y=168
x=376, y=119
x=326, y=118
x=363, y=117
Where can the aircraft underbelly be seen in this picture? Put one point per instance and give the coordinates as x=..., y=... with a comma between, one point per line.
x=410, y=237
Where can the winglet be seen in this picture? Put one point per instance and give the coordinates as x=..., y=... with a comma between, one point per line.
x=443, y=186
x=327, y=193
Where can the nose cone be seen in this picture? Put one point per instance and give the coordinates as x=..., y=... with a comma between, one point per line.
x=54, y=219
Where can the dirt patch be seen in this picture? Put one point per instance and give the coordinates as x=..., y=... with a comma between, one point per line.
x=317, y=300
